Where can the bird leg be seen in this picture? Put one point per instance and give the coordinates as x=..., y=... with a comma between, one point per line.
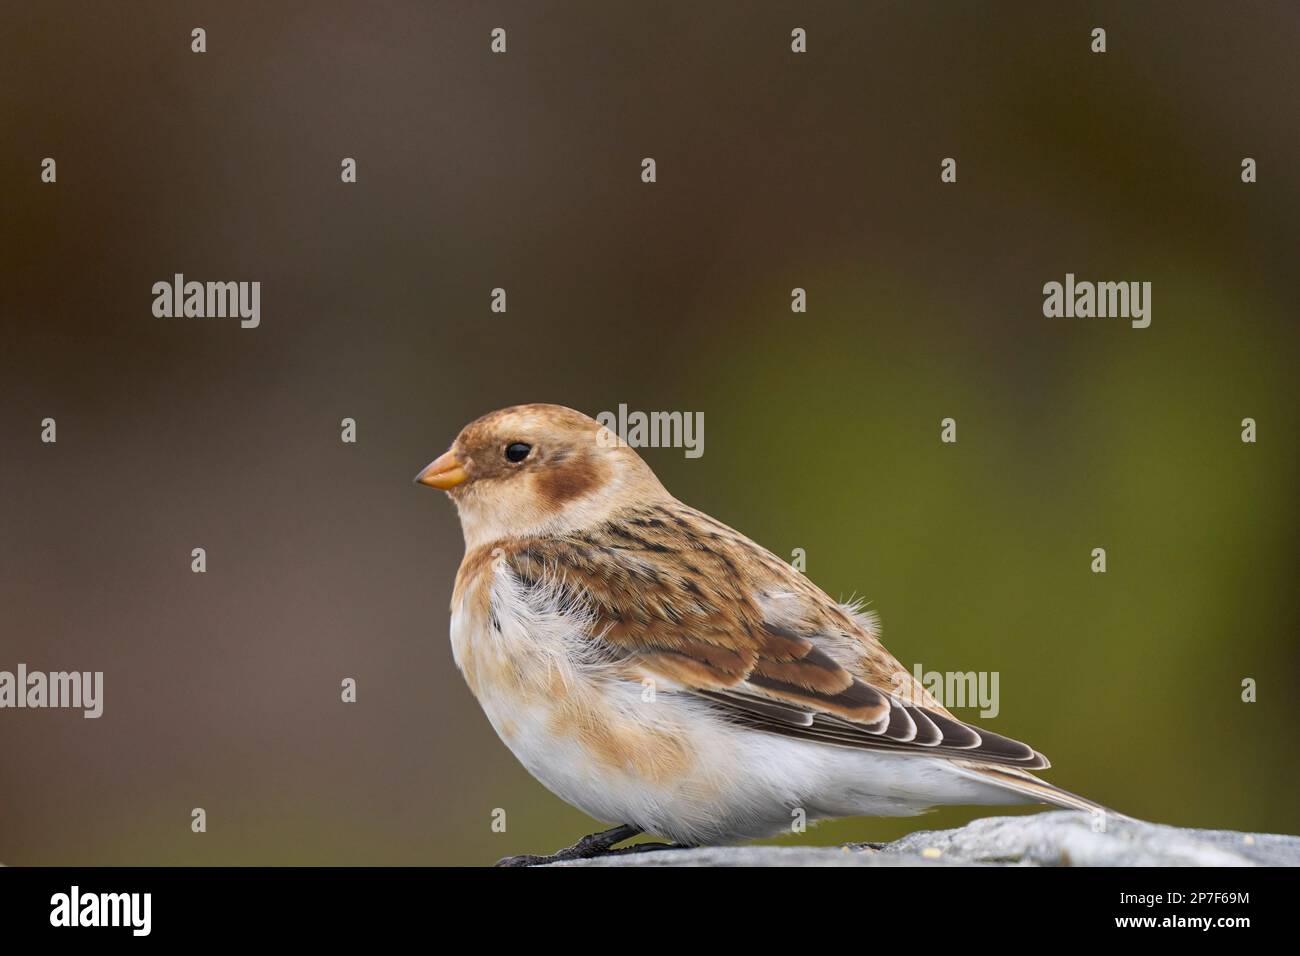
x=596, y=844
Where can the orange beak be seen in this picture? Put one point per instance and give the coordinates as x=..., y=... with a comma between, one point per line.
x=443, y=472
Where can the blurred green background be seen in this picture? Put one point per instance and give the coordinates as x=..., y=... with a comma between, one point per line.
x=822, y=431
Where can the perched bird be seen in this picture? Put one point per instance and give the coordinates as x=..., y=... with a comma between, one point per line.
x=659, y=670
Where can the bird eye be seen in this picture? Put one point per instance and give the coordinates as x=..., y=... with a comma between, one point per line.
x=517, y=452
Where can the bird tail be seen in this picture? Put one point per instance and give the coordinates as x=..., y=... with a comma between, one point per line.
x=1030, y=787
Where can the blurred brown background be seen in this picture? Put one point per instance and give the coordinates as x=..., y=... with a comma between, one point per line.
x=775, y=170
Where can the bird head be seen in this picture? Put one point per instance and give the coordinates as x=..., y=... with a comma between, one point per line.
x=535, y=470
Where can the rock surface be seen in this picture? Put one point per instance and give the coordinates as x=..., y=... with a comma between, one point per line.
x=1061, y=838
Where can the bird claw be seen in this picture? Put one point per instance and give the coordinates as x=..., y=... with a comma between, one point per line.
x=589, y=847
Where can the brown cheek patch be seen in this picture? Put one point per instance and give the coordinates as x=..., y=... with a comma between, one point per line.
x=564, y=481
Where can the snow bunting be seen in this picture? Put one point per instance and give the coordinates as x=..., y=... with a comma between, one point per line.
x=659, y=670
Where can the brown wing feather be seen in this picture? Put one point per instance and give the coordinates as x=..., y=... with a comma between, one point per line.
x=686, y=598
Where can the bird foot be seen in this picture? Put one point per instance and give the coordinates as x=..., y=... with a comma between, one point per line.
x=594, y=845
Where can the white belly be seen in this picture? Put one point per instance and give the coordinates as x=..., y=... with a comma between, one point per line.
x=667, y=762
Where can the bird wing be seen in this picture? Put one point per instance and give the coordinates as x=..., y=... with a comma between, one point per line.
x=694, y=602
